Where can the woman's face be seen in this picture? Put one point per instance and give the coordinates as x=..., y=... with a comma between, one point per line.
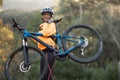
x=46, y=16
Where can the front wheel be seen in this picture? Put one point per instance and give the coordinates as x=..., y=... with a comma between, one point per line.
x=90, y=40
x=16, y=70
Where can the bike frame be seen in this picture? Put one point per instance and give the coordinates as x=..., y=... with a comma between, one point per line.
x=60, y=52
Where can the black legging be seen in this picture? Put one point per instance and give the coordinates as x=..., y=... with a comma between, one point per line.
x=51, y=59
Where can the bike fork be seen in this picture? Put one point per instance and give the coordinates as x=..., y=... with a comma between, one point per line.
x=25, y=52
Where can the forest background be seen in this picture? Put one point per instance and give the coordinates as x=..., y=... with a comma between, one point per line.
x=102, y=15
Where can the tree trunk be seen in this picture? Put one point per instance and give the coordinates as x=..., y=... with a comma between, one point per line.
x=119, y=70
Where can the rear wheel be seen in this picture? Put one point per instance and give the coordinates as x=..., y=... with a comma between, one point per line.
x=16, y=69
x=91, y=43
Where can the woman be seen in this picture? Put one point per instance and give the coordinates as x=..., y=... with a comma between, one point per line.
x=48, y=29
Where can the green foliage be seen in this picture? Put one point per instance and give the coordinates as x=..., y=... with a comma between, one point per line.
x=6, y=45
x=70, y=70
x=6, y=38
x=35, y=21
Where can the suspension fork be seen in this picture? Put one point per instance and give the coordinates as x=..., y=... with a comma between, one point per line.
x=25, y=52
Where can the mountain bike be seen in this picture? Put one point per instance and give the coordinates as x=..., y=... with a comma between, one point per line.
x=81, y=43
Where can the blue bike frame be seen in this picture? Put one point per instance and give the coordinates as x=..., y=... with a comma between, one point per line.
x=33, y=35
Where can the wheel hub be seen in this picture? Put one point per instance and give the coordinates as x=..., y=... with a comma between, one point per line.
x=23, y=67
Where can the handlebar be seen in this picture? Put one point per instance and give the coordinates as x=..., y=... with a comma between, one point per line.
x=16, y=25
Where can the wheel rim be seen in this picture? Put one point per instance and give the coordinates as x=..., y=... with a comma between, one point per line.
x=82, y=30
x=13, y=71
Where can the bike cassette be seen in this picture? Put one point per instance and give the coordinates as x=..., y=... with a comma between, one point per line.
x=84, y=42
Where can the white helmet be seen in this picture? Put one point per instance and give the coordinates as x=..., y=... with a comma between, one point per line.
x=47, y=9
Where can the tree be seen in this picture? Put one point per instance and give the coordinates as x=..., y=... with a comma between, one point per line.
x=100, y=14
x=1, y=2
x=6, y=38
x=6, y=45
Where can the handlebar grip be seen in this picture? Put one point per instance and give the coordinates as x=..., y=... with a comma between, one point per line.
x=15, y=25
x=15, y=22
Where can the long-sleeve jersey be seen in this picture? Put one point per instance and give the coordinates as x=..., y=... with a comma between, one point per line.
x=47, y=29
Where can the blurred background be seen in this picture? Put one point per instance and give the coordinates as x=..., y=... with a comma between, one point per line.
x=102, y=15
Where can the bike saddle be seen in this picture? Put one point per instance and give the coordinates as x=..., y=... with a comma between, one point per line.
x=55, y=21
